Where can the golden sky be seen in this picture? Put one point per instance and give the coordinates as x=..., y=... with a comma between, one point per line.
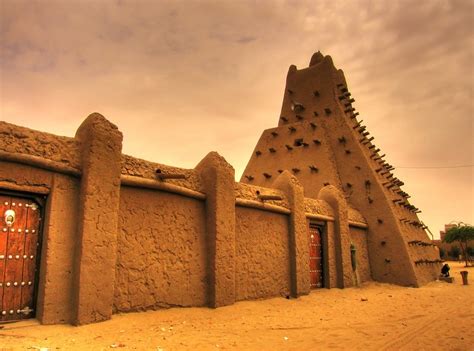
x=182, y=78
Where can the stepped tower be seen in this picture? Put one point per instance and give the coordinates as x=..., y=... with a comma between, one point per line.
x=322, y=141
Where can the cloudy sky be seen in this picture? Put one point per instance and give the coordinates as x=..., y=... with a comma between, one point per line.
x=182, y=78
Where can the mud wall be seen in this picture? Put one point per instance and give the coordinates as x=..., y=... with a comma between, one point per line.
x=118, y=237
x=161, y=258
x=21, y=141
x=359, y=239
x=329, y=254
x=262, y=254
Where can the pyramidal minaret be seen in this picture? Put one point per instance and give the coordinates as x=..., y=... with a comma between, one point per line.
x=321, y=139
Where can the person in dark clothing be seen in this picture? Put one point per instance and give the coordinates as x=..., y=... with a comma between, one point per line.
x=445, y=270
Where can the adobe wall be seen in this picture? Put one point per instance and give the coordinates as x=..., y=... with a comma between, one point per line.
x=58, y=251
x=262, y=254
x=118, y=238
x=329, y=254
x=161, y=258
x=359, y=239
x=23, y=143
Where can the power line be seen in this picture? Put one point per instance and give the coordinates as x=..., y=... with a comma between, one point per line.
x=438, y=167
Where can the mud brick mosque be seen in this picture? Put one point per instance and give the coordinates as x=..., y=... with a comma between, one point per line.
x=87, y=231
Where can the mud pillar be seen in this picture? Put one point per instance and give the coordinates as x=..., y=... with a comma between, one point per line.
x=299, y=246
x=217, y=177
x=342, y=241
x=97, y=219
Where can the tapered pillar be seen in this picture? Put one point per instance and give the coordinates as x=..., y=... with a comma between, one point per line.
x=217, y=177
x=96, y=245
x=342, y=240
x=299, y=246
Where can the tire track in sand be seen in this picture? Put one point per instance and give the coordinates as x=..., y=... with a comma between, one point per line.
x=402, y=339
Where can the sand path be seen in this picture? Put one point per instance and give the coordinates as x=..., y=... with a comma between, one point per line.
x=438, y=316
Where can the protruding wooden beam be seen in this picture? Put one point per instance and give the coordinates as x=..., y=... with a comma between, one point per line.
x=295, y=170
x=358, y=124
x=265, y=197
x=249, y=177
x=163, y=176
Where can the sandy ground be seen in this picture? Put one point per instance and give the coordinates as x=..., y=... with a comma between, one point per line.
x=439, y=316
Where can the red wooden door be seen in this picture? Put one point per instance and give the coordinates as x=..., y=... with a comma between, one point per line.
x=315, y=256
x=19, y=244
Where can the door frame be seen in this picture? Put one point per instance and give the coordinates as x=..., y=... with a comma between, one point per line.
x=40, y=200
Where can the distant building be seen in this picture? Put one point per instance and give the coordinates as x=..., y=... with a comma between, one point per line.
x=442, y=233
x=449, y=251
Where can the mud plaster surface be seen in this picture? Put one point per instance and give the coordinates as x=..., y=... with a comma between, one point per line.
x=249, y=192
x=359, y=239
x=355, y=215
x=161, y=251
x=96, y=252
x=15, y=139
x=331, y=248
x=145, y=169
x=318, y=207
x=262, y=254
x=59, y=242
x=24, y=175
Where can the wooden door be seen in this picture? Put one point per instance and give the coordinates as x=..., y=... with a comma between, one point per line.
x=315, y=256
x=19, y=246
